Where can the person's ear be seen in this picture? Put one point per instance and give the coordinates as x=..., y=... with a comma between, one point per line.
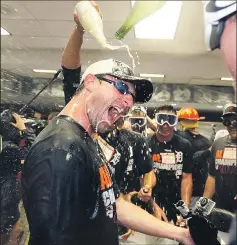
x=91, y=82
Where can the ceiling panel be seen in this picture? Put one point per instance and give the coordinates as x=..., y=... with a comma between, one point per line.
x=50, y=10
x=41, y=30
x=44, y=42
x=35, y=28
x=10, y=42
x=14, y=10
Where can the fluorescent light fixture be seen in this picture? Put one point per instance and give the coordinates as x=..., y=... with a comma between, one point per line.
x=227, y=79
x=173, y=104
x=162, y=24
x=4, y=32
x=219, y=106
x=151, y=75
x=44, y=71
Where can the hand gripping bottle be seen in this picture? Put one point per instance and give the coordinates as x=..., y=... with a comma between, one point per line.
x=140, y=11
x=91, y=21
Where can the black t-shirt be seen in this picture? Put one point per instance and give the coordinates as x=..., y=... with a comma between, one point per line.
x=131, y=158
x=135, y=159
x=171, y=159
x=68, y=190
x=11, y=163
x=200, y=166
x=224, y=169
x=198, y=141
x=11, y=159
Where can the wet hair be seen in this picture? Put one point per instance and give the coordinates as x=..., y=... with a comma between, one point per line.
x=166, y=108
x=52, y=115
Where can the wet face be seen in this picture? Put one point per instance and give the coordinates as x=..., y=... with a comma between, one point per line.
x=228, y=46
x=165, y=130
x=106, y=104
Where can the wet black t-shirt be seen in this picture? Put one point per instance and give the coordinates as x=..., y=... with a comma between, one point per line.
x=135, y=159
x=171, y=160
x=200, y=166
x=11, y=159
x=68, y=190
x=224, y=169
x=131, y=158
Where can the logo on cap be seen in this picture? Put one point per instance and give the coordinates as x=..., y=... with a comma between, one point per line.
x=122, y=68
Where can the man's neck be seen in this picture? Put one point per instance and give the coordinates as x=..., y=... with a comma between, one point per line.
x=76, y=109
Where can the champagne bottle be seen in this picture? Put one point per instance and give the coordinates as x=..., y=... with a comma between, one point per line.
x=140, y=11
x=91, y=21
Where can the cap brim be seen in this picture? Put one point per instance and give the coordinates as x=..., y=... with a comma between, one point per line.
x=143, y=87
x=228, y=114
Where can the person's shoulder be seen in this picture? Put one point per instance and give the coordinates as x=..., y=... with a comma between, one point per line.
x=131, y=135
x=179, y=132
x=151, y=139
x=220, y=140
x=221, y=133
x=10, y=149
x=183, y=142
x=61, y=135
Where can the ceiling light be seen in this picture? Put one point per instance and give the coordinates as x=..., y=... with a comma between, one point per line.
x=227, y=79
x=173, y=104
x=151, y=75
x=4, y=32
x=219, y=106
x=44, y=71
x=162, y=24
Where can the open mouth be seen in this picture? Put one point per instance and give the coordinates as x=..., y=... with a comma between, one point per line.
x=114, y=113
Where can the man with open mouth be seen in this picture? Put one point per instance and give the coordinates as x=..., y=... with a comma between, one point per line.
x=69, y=192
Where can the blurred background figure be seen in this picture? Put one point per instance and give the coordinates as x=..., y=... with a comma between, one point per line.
x=172, y=157
x=138, y=119
x=189, y=120
x=17, y=139
x=222, y=179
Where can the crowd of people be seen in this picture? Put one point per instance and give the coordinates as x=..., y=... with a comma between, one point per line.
x=103, y=172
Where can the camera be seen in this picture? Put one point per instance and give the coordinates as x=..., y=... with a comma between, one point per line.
x=204, y=206
x=181, y=207
x=202, y=231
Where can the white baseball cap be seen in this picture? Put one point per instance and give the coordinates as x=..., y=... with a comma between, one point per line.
x=215, y=14
x=118, y=69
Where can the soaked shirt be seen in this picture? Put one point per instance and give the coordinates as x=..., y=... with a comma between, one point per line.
x=11, y=163
x=224, y=169
x=134, y=162
x=68, y=191
x=129, y=157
